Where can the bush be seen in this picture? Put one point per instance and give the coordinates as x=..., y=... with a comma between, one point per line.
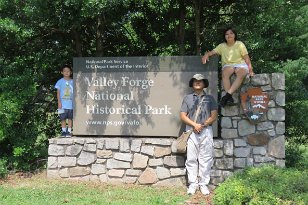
x=264, y=185
x=3, y=169
x=296, y=154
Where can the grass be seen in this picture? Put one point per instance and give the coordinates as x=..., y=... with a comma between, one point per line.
x=264, y=185
x=38, y=190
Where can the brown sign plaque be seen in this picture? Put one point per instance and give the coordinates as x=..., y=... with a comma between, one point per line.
x=254, y=103
x=135, y=96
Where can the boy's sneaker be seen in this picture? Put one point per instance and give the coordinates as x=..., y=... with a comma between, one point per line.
x=204, y=190
x=192, y=189
x=63, y=134
x=68, y=134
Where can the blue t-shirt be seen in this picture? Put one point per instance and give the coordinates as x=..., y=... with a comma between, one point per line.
x=66, y=92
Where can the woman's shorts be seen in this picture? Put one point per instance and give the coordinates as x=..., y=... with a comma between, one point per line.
x=68, y=114
x=237, y=66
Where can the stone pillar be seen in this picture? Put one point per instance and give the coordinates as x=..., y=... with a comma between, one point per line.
x=245, y=144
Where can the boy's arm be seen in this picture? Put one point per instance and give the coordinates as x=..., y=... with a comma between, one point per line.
x=211, y=119
x=59, y=100
x=197, y=127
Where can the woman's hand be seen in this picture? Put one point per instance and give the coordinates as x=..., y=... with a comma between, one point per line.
x=251, y=73
x=205, y=58
x=248, y=62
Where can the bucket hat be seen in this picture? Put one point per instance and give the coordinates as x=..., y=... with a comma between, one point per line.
x=199, y=77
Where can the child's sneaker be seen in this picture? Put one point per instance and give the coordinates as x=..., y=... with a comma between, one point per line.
x=68, y=134
x=63, y=134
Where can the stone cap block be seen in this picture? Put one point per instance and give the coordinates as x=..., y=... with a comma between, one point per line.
x=278, y=81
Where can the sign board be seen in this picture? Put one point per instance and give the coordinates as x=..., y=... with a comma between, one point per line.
x=135, y=96
x=254, y=103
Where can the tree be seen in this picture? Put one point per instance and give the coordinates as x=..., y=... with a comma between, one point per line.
x=38, y=36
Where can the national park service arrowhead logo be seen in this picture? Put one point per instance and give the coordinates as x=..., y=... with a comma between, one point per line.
x=255, y=103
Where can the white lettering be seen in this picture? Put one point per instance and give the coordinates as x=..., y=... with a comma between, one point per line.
x=101, y=82
x=144, y=84
x=95, y=95
x=166, y=110
x=96, y=109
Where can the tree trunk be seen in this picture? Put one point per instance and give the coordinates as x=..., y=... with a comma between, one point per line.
x=197, y=5
x=99, y=36
x=182, y=9
x=77, y=42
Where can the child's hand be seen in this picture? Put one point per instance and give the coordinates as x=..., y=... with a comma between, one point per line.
x=59, y=105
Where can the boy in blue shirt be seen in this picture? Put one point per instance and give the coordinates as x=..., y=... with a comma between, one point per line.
x=64, y=88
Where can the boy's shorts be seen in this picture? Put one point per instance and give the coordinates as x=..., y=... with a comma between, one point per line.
x=68, y=114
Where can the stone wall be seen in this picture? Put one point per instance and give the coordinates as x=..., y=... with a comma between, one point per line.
x=116, y=160
x=244, y=144
x=154, y=161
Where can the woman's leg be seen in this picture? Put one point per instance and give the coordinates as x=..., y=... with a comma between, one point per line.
x=226, y=74
x=240, y=75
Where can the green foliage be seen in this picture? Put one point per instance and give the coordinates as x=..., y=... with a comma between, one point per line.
x=276, y=32
x=39, y=36
x=235, y=193
x=297, y=153
x=3, y=168
x=296, y=74
x=264, y=185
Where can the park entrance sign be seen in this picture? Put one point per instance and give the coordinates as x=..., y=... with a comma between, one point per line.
x=135, y=96
x=255, y=103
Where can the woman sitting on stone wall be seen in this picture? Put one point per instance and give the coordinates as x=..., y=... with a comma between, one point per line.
x=235, y=59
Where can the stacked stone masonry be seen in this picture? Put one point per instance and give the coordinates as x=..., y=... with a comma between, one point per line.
x=154, y=161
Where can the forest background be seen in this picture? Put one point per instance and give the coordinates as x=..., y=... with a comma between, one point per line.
x=38, y=36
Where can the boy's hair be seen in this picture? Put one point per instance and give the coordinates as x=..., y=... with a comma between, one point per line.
x=66, y=66
x=225, y=31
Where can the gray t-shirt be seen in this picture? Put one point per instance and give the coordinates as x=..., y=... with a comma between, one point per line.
x=190, y=104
